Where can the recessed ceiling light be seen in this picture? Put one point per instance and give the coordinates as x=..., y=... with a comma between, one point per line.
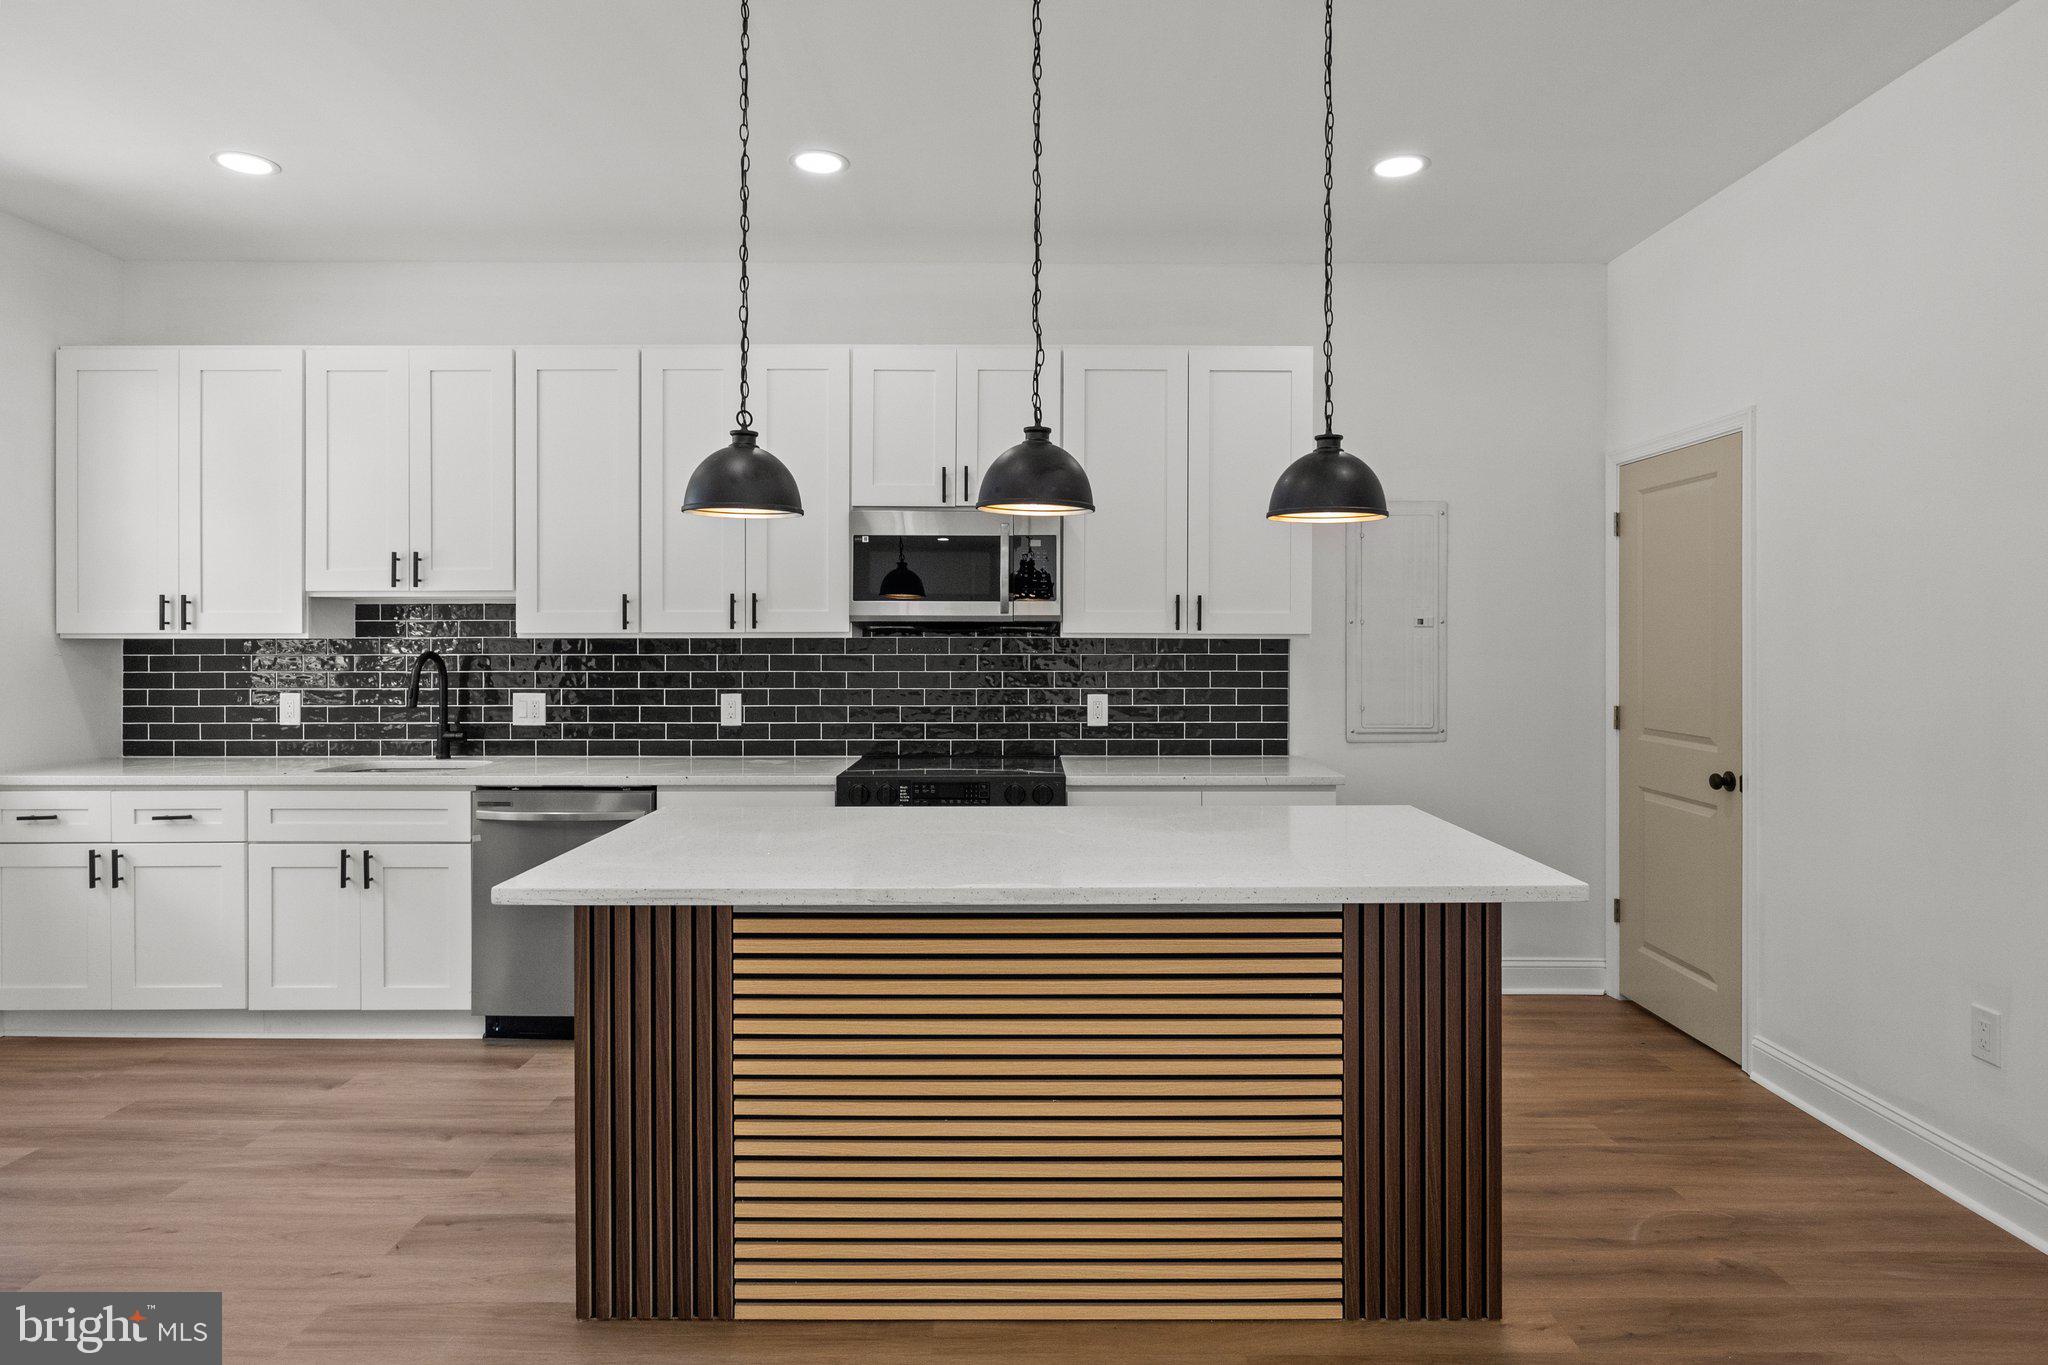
x=1399, y=167
x=246, y=163
x=818, y=161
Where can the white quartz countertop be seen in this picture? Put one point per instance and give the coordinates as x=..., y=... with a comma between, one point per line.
x=496, y=772
x=1199, y=772
x=1061, y=855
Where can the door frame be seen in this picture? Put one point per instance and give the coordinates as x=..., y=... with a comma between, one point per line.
x=1743, y=423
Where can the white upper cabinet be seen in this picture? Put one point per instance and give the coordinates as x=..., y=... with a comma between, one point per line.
x=358, y=444
x=1125, y=419
x=241, y=479
x=1248, y=419
x=797, y=567
x=578, y=441
x=117, y=489
x=993, y=405
x=904, y=428
x=461, y=476
x=692, y=568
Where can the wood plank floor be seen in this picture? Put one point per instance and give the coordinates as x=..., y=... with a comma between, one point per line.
x=410, y=1202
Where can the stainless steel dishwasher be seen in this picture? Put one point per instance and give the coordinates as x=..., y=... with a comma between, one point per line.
x=522, y=977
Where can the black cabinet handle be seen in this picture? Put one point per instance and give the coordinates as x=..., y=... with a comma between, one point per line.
x=753, y=611
x=625, y=604
x=1198, y=611
x=92, y=867
x=394, y=568
x=163, y=611
x=161, y=818
x=732, y=611
x=1722, y=782
x=942, y=484
x=415, y=568
x=966, y=484
x=368, y=880
x=344, y=867
x=116, y=860
x=31, y=819
x=1176, y=611
x=184, y=612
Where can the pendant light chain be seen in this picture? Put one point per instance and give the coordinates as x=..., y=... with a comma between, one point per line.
x=1037, y=209
x=1329, y=183
x=743, y=418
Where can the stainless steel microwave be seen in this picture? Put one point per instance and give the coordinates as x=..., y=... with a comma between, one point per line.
x=954, y=565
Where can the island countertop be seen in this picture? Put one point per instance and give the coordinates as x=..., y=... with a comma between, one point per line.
x=982, y=856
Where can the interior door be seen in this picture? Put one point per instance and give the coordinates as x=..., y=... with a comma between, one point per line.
x=993, y=406
x=180, y=927
x=797, y=567
x=1248, y=419
x=1681, y=739
x=357, y=443
x=578, y=438
x=53, y=927
x=1126, y=421
x=903, y=418
x=117, y=489
x=305, y=927
x=462, y=470
x=692, y=569
x=242, y=478
x=415, y=926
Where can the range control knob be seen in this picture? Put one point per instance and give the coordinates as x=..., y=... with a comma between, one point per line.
x=1013, y=794
x=1041, y=795
x=861, y=794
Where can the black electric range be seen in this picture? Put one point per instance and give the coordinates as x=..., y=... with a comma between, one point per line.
x=952, y=780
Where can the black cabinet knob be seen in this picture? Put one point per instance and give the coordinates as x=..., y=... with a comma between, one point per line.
x=1722, y=782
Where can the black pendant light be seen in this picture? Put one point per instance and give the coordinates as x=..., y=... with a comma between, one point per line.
x=901, y=584
x=1036, y=478
x=1328, y=483
x=742, y=479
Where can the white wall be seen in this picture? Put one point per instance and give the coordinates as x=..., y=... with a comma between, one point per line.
x=1477, y=384
x=1879, y=293
x=60, y=699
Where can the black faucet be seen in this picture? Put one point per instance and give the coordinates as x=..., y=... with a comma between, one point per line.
x=447, y=734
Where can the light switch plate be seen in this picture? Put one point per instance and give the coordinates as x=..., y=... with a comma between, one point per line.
x=731, y=708
x=1098, y=708
x=529, y=708
x=288, y=708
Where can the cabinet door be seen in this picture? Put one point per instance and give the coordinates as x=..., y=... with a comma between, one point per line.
x=117, y=489
x=692, y=568
x=1248, y=419
x=415, y=944
x=1125, y=415
x=54, y=928
x=797, y=567
x=242, y=475
x=357, y=462
x=461, y=499
x=305, y=927
x=903, y=427
x=578, y=439
x=993, y=387
x=180, y=927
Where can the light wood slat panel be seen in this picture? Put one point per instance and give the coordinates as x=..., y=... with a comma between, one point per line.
x=759, y=924
x=1039, y=983
x=1041, y=1189
x=763, y=1271
x=807, y=968
x=755, y=1032
x=1037, y=1066
x=1194, y=1006
x=855, y=1209
x=997, y=1107
x=747, y=1046
x=1009, y=1085
x=1037, y=1147
x=766, y=1168
x=999, y=1290
x=1195, y=1127
x=1223, y=1251
x=749, y=947
x=1051, y=1229
x=1016, y=1311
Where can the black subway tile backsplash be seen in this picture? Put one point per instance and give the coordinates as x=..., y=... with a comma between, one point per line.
x=658, y=697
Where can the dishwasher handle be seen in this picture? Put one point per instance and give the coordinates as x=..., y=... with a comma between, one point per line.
x=560, y=817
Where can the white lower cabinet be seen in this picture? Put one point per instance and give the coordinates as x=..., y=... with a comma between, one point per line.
x=179, y=927
x=55, y=923
x=379, y=927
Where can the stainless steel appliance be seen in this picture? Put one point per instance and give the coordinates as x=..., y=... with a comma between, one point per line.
x=952, y=780
x=967, y=566
x=522, y=963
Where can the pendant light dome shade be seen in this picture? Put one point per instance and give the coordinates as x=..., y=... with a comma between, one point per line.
x=1327, y=484
x=901, y=584
x=1036, y=478
x=742, y=480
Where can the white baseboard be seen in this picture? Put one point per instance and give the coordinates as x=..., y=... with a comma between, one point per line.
x=1983, y=1184
x=241, y=1024
x=1553, y=976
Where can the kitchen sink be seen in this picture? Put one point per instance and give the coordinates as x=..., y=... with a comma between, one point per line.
x=407, y=765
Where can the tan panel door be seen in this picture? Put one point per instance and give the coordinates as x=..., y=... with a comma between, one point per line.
x=1681, y=739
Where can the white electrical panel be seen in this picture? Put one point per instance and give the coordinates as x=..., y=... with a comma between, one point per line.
x=1397, y=620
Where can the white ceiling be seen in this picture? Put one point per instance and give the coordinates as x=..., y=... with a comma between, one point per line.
x=1176, y=130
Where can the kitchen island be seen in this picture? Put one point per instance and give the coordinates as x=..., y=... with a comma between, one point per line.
x=1140, y=1062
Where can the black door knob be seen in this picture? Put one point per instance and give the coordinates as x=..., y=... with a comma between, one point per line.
x=1721, y=782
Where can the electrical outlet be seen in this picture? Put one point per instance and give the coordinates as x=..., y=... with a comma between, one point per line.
x=1987, y=1035
x=529, y=708
x=731, y=708
x=1098, y=708
x=288, y=708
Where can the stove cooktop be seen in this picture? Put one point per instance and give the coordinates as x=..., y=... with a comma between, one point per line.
x=952, y=780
